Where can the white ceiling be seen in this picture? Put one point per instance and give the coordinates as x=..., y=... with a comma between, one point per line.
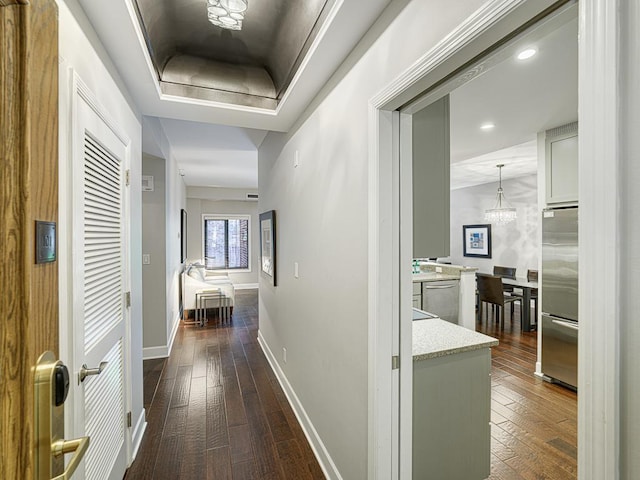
x=519, y=161
x=521, y=98
x=215, y=155
x=347, y=22
x=216, y=144
x=208, y=148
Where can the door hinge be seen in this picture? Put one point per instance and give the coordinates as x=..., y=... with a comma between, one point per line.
x=127, y=177
x=129, y=419
x=127, y=299
x=395, y=362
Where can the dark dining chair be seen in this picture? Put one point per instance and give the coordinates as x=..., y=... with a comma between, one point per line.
x=490, y=292
x=506, y=272
x=532, y=276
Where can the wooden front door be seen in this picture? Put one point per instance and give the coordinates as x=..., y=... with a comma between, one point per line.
x=28, y=193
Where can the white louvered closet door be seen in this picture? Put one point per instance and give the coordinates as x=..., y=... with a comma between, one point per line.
x=99, y=263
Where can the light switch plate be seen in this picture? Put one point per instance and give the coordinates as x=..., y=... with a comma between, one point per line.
x=146, y=259
x=296, y=159
x=295, y=270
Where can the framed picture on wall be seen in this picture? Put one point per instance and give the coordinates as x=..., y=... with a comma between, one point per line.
x=183, y=235
x=268, y=246
x=476, y=240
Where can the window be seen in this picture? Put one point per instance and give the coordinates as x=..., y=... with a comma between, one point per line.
x=226, y=242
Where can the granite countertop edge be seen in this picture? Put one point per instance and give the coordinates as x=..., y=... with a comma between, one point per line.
x=434, y=338
x=453, y=351
x=433, y=277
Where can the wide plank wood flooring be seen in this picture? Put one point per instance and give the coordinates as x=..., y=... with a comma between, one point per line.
x=533, y=423
x=215, y=409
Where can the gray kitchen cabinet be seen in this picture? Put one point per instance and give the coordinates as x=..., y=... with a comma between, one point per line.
x=431, y=185
x=451, y=414
x=561, y=164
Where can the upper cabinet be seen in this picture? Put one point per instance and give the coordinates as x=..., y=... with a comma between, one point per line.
x=561, y=164
x=431, y=190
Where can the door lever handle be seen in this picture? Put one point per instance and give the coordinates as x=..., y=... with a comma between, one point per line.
x=78, y=447
x=86, y=371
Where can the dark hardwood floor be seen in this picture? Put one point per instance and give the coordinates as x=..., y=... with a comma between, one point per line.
x=215, y=409
x=533, y=423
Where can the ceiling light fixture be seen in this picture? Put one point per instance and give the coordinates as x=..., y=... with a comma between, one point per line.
x=487, y=126
x=502, y=213
x=527, y=53
x=227, y=14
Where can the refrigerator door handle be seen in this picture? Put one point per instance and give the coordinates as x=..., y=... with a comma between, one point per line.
x=562, y=323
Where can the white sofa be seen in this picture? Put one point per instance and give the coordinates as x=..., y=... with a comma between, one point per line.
x=195, y=280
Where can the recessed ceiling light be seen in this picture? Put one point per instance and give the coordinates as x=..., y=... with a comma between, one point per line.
x=487, y=126
x=527, y=53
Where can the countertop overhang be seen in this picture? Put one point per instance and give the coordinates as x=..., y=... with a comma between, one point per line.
x=437, y=338
x=433, y=277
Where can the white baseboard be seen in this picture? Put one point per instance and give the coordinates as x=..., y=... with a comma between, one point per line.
x=538, y=372
x=162, y=351
x=245, y=286
x=322, y=455
x=149, y=353
x=172, y=336
x=138, y=433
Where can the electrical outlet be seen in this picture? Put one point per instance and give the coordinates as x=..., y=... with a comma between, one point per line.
x=284, y=355
x=146, y=259
x=438, y=269
x=295, y=270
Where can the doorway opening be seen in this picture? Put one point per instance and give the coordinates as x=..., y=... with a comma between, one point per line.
x=406, y=104
x=501, y=111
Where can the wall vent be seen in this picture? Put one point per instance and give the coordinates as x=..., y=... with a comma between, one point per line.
x=563, y=130
x=252, y=196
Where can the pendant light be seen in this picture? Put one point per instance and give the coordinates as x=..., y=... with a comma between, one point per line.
x=502, y=213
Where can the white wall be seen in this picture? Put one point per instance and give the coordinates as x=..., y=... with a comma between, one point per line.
x=629, y=267
x=322, y=214
x=203, y=201
x=513, y=245
x=81, y=51
x=154, y=244
x=174, y=200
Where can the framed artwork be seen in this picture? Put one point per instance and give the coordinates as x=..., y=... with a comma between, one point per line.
x=476, y=240
x=183, y=235
x=268, y=246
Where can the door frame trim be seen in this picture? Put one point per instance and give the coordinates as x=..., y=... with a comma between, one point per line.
x=598, y=408
x=599, y=230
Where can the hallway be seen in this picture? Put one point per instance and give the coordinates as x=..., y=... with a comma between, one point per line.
x=218, y=411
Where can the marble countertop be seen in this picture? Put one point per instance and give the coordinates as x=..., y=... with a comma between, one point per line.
x=436, y=338
x=446, y=267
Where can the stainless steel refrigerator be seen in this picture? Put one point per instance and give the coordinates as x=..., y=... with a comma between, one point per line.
x=560, y=294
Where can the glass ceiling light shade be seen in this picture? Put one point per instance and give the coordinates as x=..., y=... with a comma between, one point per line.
x=502, y=213
x=234, y=6
x=227, y=14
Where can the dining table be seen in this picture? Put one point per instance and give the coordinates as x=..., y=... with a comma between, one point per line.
x=526, y=286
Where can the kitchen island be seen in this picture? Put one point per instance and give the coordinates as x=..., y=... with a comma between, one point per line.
x=451, y=401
